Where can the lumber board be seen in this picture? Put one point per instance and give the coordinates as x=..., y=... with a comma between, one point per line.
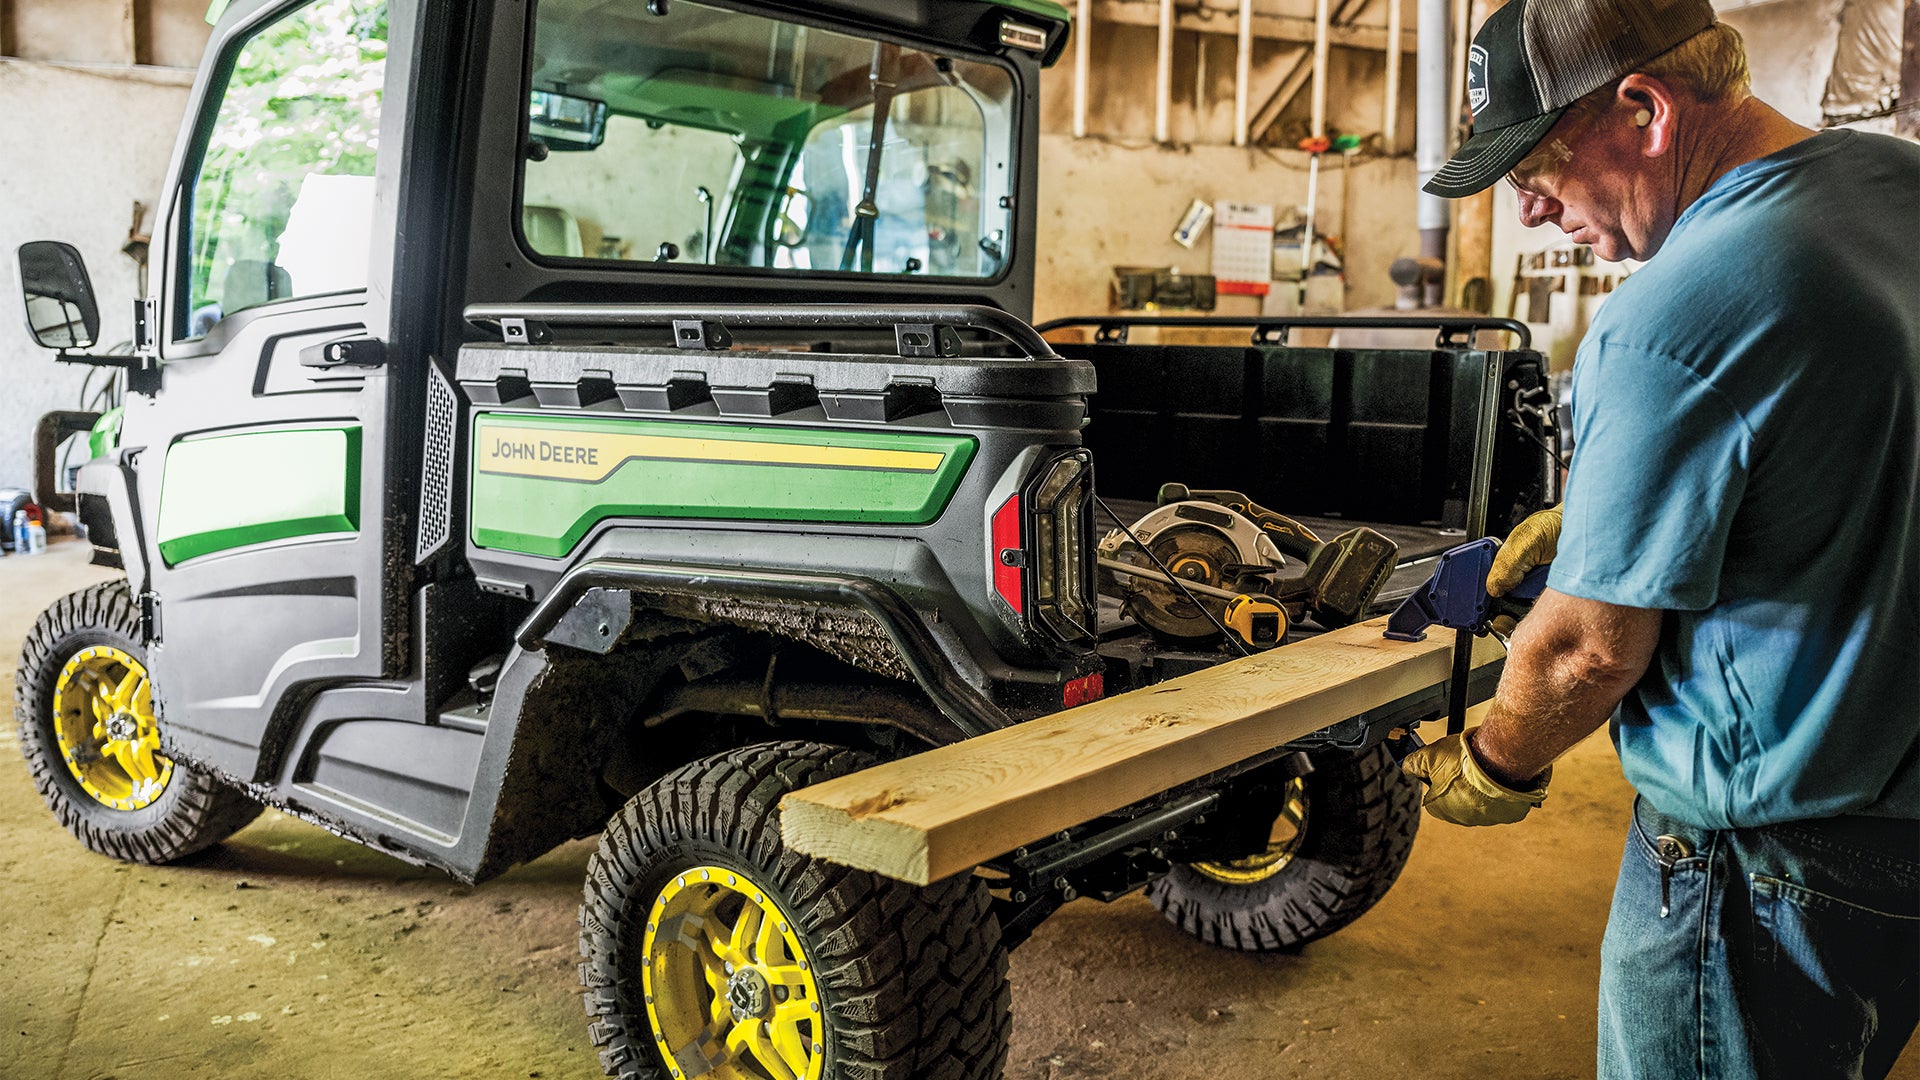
x=925, y=817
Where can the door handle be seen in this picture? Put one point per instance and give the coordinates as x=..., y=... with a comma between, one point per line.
x=346, y=352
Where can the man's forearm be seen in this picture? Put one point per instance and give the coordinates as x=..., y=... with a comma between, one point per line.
x=1571, y=661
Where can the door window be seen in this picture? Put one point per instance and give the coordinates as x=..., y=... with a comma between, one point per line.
x=282, y=202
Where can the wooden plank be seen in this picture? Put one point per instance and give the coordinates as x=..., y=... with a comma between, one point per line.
x=925, y=817
x=1267, y=27
x=1298, y=70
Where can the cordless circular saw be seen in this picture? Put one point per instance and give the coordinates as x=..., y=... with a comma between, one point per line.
x=1204, y=563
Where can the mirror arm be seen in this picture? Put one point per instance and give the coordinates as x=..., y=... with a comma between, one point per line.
x=130, y=363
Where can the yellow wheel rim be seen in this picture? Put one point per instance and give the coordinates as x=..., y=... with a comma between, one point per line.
x=103, y=721
x=1289, y=829
x=730, y=993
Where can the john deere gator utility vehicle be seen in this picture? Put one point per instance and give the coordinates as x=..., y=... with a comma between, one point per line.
x=603, y=417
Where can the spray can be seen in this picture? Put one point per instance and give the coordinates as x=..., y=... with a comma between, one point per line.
x=21, y=544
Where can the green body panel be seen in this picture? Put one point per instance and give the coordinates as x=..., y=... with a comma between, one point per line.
x=220, y=492
x=540, y=483
x=106, y=432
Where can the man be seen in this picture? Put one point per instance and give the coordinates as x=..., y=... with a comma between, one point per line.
x=1739, y=572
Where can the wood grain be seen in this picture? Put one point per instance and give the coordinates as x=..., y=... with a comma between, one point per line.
x=922, y=818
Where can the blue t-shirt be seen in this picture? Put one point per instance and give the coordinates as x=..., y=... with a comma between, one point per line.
x=1746, y=459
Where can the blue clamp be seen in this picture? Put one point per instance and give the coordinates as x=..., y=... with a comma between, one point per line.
x=1456, y=596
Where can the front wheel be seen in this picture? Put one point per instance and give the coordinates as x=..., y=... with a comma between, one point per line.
x=712, y=950
x=1340, y=837
x=84, y=706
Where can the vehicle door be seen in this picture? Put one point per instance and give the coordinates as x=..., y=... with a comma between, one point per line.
x=263, y=478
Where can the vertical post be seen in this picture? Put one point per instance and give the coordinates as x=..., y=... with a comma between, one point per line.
x=1390, y=112
x=1082, y=58
x=1243, y=73
x=1486, y=428
x=140, y=31
x=1907, y=120
x=1430, y=142
x=1321, y=18
x=1457, y=80
x=6, y=27
x=1163, y=77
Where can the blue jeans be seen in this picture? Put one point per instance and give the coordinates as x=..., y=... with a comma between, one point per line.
x=1787, y=951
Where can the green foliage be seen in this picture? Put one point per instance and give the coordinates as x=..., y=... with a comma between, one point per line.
x=303, y=99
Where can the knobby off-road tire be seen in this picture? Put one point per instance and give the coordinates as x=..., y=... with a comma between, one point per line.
x=156, y=814
x=1361, y=814
x=909, y=983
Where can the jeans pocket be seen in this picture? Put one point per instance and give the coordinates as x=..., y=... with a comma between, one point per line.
x=1826, y=966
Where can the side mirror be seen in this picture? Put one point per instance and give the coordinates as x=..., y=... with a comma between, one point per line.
x=565, y=122
x=61, y=311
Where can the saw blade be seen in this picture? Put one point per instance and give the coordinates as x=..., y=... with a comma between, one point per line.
x=1193, y=553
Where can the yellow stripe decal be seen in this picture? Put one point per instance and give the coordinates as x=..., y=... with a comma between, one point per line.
x=592, y=456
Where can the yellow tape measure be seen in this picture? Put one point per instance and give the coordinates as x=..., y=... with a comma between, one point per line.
x=1260, y=622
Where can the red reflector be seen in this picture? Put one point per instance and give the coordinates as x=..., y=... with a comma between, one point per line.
x=1082, y=690
x=1008, y=578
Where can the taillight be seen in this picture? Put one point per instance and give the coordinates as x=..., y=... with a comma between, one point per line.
x=1063, y=547
x=1083, y=689
x=1008, y=557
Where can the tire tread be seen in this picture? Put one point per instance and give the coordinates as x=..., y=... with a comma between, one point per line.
x=915, y=979
x=199, y=810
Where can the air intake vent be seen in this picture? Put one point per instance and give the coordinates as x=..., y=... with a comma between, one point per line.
x=436, y=466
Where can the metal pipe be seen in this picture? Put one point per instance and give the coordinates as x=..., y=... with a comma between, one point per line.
x=1430, y=148
x=1390, y=111
x=1306, y=234
x=1163, y=77
x=1082, y=59
x=1457, y=80
x=1456, y=331
x=1242, y=73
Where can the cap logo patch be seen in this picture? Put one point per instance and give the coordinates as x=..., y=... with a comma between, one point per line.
x=1476, y=79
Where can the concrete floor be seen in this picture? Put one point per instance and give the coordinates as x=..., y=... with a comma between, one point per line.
x=289, y=953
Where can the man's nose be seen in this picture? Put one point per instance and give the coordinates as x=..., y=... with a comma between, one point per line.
x=1536, y=210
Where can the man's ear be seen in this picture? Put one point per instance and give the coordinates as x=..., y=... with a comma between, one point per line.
x=1652, y=108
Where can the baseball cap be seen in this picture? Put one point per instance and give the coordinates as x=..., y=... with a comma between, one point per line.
x=1533, y=58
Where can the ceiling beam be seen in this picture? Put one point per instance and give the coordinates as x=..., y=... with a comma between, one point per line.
x=1267, y=27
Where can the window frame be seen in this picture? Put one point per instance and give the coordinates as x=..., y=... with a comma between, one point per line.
x=216, y=79
x=1015, y=119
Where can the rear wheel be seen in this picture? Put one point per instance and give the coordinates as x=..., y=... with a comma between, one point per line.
x=84, y=706
x=712, y=950
x=1340, y=837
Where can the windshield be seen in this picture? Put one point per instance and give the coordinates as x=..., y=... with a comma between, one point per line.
x=711, y=137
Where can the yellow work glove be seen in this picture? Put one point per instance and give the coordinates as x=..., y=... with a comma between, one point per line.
x=1532, y=543
x=1460, y=791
